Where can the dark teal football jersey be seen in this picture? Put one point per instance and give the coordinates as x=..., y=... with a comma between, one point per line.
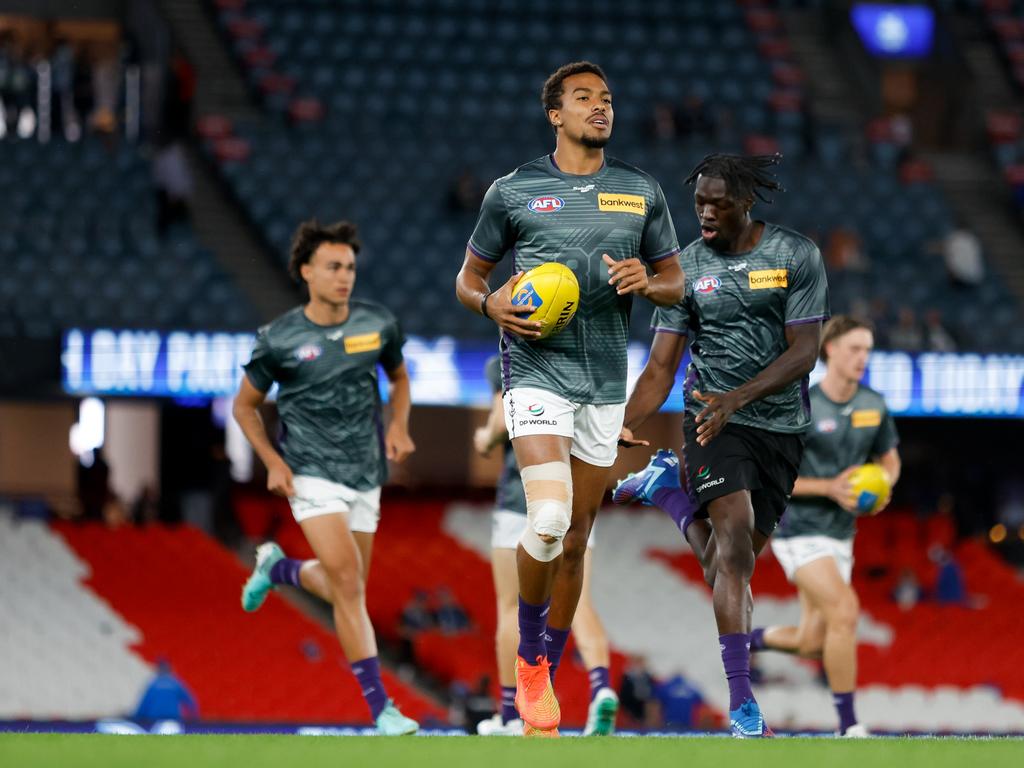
x=735, y=312
x=329, y=395
x=538, y=214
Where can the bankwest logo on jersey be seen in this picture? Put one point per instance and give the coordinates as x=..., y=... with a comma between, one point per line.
x=768, y=278
x=610, y=201
x=865, y=418
x=364, y=342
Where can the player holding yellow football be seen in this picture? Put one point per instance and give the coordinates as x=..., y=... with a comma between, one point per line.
x=850, y=424
x=564, y=396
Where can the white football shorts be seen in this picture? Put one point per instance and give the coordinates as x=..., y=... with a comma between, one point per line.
x=593, y=429
x=797, y=551
x=316, y=496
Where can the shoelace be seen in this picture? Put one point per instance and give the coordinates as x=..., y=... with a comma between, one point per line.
x=533, y=674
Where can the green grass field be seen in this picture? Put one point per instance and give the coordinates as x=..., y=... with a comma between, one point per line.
x=66, y=751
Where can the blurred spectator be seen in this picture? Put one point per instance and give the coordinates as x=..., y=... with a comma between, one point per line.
x=936, y=337
x=637, y=694
x=416, y=617
x=66, y=120
x=93, y=484
x=106, y=81
x=950, y=586
x=451, y=617
x=844, y=251
x=907, y=592
x=115, y=513
x=906, y=335
x=17, y=88
x=961, y=251
x=173, y=183
x=680, y=703
x=466, y=193
x=167, y=698
x=663, y=123
x=146, y=507
x=694, y=119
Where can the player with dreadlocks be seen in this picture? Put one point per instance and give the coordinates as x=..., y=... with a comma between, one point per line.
x=752, y=312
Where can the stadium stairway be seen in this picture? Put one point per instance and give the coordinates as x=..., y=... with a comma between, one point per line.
x=89, y=610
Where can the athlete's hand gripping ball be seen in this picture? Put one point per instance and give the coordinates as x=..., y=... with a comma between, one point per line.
x=511, y=317
x=840, y=490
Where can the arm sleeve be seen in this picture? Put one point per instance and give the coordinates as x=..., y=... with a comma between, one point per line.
x=492, y=236
x=674, y=319
x=262, y=367
x=886, y=438
x=807, y=297
x=492, y=369
x=391, y=351
x=659, y=237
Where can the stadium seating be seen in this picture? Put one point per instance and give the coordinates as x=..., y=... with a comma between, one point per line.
x=904, y=656
x=81, y=247
x=400, y=113
x=412, y=551
x=89, y=610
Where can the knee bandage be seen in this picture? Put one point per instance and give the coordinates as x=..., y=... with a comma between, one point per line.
x=548, y=509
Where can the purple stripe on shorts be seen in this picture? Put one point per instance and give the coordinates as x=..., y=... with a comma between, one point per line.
x=805, y=320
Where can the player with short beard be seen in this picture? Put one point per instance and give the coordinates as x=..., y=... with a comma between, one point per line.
x=564, y=396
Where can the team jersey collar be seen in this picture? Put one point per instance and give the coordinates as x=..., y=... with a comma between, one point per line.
x=560, y=172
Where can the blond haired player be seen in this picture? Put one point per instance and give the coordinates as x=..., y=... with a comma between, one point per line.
x=850, y=425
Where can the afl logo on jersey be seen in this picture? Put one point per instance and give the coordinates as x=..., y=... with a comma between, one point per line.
x=545, y=204
x=707, y=284
x=826, y=426
x=307, y=353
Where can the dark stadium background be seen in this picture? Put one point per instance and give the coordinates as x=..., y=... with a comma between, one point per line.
x=156, y=156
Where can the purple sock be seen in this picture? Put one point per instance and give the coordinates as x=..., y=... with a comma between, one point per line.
x=598, y=679
x=844, y=706
x=556, y=640
x=508, y=703
x=367, y=672
x=679, y=506
x=757, y=639
x=533, y=624
x=736, y=660
x=286, y=571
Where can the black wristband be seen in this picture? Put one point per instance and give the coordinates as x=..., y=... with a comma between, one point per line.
x=483, y=304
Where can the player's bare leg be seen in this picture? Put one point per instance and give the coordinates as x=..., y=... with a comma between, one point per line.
x=547, y=479
x=341, y=562
x=588, y=483
x=805, y=640
x=592, y=643
x=732, y=518
x=506, y=640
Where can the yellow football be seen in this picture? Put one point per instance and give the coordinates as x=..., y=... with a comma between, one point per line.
x=553, y=290
x=870, y=487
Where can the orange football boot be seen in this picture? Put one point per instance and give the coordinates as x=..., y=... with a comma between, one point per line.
x=535, y=697
x=530, y=732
